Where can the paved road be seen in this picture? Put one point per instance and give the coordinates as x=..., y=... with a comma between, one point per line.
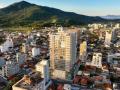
x=3, y=79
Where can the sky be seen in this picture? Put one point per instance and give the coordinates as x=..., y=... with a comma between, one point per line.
x=86, y=7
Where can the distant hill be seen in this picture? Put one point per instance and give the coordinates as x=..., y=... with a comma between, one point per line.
x=27, y=14
x=111, y=17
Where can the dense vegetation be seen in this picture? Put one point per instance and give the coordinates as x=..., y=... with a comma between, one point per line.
x=2, y=39
x=26, y=14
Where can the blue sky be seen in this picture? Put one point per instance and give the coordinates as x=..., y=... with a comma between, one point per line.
x=86, y=7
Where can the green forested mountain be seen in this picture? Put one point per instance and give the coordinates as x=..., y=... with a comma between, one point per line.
x=27, y=14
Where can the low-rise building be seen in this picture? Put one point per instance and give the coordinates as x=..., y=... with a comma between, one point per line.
x=21, y=58
x=10, y=68
x=35, y=51
x=43, y=68
x=97, y=60
x=30, y=82
x=38, y=80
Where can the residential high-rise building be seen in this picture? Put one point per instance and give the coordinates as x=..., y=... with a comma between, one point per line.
x=97, y=60
x=76, y=30
x=62, y=51
x=109, y=37
x=83, y=51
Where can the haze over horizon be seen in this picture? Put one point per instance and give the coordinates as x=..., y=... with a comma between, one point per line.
x=85, y=7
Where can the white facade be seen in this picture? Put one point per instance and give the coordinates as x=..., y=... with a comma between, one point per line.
x=43, y=68
x=114, y=58
x=5, y=46
x=10, y=68
x=38, y=34
x=35, y=51
x=67, y=87
x=9, y=43
x=109, y=37
x=20, y=57
x=95, y=25
x=97, y=60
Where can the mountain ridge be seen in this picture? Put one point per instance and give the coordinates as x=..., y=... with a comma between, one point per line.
x=111, y=17
x=26, y=14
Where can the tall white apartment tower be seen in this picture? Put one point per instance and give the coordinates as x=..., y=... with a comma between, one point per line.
x=62, y=50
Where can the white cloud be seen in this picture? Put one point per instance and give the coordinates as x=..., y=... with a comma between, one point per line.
x=2, y=5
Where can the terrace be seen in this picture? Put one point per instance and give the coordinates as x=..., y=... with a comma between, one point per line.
x=29, y=82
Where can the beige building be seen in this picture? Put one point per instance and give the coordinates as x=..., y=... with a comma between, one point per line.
x=62, y=51
x=83, y=51
x=24, y=48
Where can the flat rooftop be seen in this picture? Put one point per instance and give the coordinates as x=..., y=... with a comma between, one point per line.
x=28, y=82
